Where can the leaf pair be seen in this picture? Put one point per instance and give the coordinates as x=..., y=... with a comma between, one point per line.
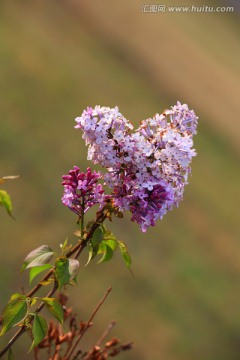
x=16, y=313
x=105, y=243
x=18, y=307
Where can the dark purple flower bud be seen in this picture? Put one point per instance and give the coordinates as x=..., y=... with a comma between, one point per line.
x=82, y=190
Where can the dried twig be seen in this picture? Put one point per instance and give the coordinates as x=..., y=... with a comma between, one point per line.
x=106, y=332
x=84, y=329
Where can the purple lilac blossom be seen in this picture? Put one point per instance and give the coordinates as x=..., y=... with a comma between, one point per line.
x=103, y=128
x=146, y=169
x=81, y=190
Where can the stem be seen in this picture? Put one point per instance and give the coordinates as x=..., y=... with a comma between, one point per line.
x=82, y=217
x=78, y=248
x=36, y=353
x=100, y=340
x=88, y=323
x=105, y=334
x=13, y=339
x=77, y=354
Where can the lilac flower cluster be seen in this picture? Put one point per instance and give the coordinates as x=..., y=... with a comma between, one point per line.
x=146, y=169
x=81, y=190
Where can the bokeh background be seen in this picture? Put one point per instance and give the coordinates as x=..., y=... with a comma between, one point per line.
x=57, y=58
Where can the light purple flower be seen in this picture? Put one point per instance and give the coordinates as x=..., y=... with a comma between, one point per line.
x=147, y=169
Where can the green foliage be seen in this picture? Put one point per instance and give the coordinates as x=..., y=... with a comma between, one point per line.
x=107, y=253
x=54, y=308
x=107, y=246
x=94, y=244
x=97, y=237
x=65, y=270
x=62, y=271
x=5, y=201
x=39, y=330
x=65, y=247
x=15, y=312
x=34, y=271
x=125, y=254
x=92, y=253
x=38, y=257
x=109, y=238
x=105, y=243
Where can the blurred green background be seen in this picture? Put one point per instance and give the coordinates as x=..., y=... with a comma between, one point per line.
x=57, y=58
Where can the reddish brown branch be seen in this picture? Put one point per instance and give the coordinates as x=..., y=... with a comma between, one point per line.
x=106, y=332
x=85, y=328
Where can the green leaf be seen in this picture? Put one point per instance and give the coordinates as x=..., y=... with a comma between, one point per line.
x=97, y=237
x=39, y=330
x=17, y=296
x=38, y=257
x=66, y=270
x=107, y=254
x=112, y=243
x=109, y=238
x=65, y=247
x=15, y=312
x=33, y=301
x=34, y=271
x=5, y=201
x=92, y=252
x=125, y=254
x=109, y=235
x=62, y=271
x=54, y=307
x=95, y=243
x=10, y=355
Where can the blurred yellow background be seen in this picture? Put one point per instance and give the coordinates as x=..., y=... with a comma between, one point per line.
x=57, y=58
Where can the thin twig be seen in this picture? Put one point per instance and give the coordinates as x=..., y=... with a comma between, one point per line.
x=36, y=353
x=77, y=354
x=106, y=332
x=101, y=339
x=88, y=323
